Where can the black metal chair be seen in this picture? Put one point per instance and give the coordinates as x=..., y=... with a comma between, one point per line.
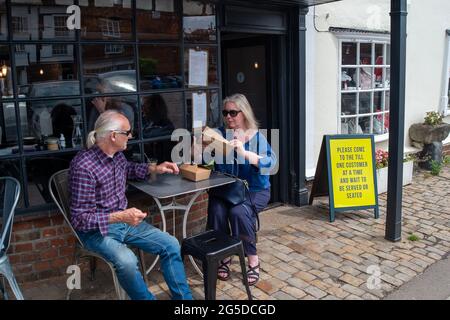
x=210, y=247
x=59, y=182
x=10, y=188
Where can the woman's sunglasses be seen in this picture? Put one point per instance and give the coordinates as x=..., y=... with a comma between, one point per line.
x=232, y=113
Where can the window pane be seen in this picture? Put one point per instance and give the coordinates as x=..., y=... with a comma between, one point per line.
x=161, y=114
x=47, y=120
x=159, y=67
x=106, y=20
x=3, y=24
x=160, y=150
x=387, y=101
x=124, y=104
x=379, y=73
x=378, y=101
x=39, y=171
x=6, y=85
x=387, y=82
x=199, y=21
x=379, y=53
x=40, y=20
x=213, y=116
x=348, y=53
x=449, y=91
x=388, y=54
x=8, y=127
x=386, y=122
x=212, y=66
x=42, y=72
x=348, y=126
x=348, y=78
x=365, y=53
x=365, y=78
x=364, y=124
x=133, y=153
x=10, y=168
x=161, y=22
x=348, y=103
x=378, y=125
x=364, y=102
x=108, y=68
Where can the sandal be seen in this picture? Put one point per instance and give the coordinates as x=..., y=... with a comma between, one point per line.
x=252, y=275
x=224, y=268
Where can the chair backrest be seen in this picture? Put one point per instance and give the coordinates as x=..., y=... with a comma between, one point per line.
x=10, y=188
x=58, y=186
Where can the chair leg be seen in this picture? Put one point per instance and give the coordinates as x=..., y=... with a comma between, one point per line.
x=142, y=265
x=93, y=266
x=8, y=273
x=210, y=279
x=244, y=272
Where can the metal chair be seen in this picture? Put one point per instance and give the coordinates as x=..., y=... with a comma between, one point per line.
x=59, y=182
x=11, y=192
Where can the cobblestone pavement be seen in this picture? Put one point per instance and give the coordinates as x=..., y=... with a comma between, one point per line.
x=304, y=256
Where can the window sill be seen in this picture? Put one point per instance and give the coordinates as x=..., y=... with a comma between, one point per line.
x=381, y=137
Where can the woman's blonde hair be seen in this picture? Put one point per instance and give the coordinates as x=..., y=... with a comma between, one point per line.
x=107, y=121
x=242, y=103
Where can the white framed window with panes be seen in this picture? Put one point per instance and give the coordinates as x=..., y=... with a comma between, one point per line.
x=364, y=86
x=110, y=28
x=445, y=98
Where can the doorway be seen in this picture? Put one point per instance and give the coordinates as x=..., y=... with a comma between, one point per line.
x=248, y=67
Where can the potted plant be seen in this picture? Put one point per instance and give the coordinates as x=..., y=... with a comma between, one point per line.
x=429, y=136
x=382, y=161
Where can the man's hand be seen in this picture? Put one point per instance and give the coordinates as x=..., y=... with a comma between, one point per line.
x=131, y=216
x=167, y=167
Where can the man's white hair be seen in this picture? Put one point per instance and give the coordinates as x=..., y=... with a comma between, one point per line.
x=107, y=121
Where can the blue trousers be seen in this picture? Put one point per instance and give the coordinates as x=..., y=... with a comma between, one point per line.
x=150, y=239
x=241, y=218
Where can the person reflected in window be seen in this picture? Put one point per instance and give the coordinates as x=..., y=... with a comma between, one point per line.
x=100, y=213
x=101, y=104
x=155, y=120
x=62, y=122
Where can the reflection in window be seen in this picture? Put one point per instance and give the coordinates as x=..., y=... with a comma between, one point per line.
x=3, y=24
x=47, y=122
x=124, y=104
x=159, y=67
x=103, y=20
x=47, y=70
x=45, y=20
x=157, y=23
x=10, y=168
x=6, y=86
x=161, y=150
x=8, y=129
x=161, y=114
x=39, y=171
x=108, y=68
x=212, y=65
x=213, y=116
x=199, y=21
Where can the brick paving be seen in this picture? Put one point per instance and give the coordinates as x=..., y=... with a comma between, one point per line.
x=304, y=256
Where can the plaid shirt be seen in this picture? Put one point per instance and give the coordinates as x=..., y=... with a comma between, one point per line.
x=97, y=186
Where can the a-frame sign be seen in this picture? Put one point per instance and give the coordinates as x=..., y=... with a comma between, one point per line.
x=346, y=172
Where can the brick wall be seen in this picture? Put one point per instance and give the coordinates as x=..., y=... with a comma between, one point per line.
x=446, y=150
x=42, y=244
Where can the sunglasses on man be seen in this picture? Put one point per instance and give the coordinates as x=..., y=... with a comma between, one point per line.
x=232, y=113
x=126, y=133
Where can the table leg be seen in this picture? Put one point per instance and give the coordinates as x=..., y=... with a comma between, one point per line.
x=163, y=218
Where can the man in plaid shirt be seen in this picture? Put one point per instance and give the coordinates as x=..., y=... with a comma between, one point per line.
x=100, y=215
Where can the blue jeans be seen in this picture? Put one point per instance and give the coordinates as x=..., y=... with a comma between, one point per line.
x=114, y=248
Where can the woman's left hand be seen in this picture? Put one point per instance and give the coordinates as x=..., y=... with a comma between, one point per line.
x=238, y=146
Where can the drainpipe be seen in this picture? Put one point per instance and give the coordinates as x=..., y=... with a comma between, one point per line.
x=396, y=120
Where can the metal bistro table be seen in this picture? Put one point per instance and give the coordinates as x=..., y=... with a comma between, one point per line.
x=170, y=186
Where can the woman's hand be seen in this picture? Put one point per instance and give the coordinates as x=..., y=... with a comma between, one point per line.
x=238, y=146
x=100, y=104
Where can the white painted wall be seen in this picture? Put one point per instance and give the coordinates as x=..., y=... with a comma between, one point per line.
x=426, y=40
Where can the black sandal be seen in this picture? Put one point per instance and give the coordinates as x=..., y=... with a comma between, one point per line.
x=224, y=268
x=252, y=275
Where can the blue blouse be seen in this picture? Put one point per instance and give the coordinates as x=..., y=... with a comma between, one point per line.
x=257, y=177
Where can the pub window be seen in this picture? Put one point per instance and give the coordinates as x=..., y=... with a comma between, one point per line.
x=59, y=49
x=3, y=21
x=110, y=28
x=364, y=87
x=113, y=49
x=19, y=25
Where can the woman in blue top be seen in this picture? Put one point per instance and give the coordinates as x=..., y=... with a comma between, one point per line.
x=252, y=161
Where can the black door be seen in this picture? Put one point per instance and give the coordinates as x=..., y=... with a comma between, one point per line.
x=247, y=64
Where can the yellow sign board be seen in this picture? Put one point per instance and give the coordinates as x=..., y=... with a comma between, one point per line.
x=346, y=173
x=351, y=162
